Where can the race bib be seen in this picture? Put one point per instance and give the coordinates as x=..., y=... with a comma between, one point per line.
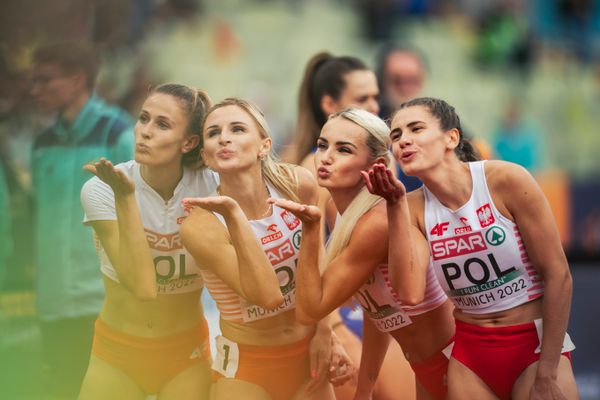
x=227, y=359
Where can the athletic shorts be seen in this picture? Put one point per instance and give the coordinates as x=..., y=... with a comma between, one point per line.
x=498, y=355
x=280, y=370
x=151, y=362
x=432, y=373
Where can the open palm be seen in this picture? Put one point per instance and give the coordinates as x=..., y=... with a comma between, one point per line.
x=112, y=176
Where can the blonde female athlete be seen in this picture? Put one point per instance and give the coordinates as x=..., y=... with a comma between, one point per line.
x=418, y=315
x=247, y=250
x=331, y=84
x=490, y=235
x=151, y=336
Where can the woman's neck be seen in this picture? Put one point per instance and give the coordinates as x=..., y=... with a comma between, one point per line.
x=342, y=197
x=248, y=188
x=451, y=184
x=163, y=179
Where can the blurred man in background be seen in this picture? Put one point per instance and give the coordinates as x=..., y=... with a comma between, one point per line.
x=69, y=286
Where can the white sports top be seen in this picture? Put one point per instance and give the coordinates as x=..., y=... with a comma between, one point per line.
x=478, y=254
x=176, y=270
x=382, y=305
x=279, y=234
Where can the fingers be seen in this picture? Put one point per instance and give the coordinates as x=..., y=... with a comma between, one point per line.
x=200, y=201
x=367, y=179
x=318, y=371
x=90, y=168
x=341, y=374
x=289, y=205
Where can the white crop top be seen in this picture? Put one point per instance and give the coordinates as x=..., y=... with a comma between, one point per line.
x=176, y=270
x=279, y=234
x=382, y=305
x=478, y=254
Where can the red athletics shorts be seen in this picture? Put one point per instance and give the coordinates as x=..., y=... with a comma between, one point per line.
x=151, y=362
x=498, y=355
x=432, y=373
x=280, y=370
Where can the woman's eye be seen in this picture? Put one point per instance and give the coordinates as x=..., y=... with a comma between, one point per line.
x=163, y=125
x=212, y=133
x=321, y=146
x=344, y=150
x=143, y=118
x=238, y=129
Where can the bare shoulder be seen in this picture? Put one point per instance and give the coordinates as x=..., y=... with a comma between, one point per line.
x=307, y=185
x=373, y=224
x=502, y=175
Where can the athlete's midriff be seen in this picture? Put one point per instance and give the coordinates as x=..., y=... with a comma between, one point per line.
x=522, y=314
x=273, y=331
x=165, y=315
x=419, y=341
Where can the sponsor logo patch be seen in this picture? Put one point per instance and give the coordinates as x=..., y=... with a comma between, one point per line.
x=458, y=246
x=280, y=253
x=495, y=236
x=160, y=242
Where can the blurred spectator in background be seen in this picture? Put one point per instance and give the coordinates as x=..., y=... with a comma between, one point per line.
x=69, y=286
x=576, y=18
x=17, y=126
x=401, y=72
x=5, y=236
x=504, y=37
x=517, y=139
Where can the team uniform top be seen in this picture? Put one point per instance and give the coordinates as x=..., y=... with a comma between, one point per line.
x=176, y=270
x=279, y=235
x=478, y=254
x=381, y=304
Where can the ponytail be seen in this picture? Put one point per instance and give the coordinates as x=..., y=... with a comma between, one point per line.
x=324, y=76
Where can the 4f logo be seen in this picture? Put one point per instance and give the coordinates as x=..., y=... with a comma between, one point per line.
x=439, y=229
x=484, y=213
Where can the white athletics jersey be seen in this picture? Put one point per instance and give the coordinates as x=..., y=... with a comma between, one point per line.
x=478, y=254
x=176, y=270
x=380, y=303
x=279, y=234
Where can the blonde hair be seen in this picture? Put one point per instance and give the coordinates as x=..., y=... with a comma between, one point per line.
x=377, y=142
x=281, y=176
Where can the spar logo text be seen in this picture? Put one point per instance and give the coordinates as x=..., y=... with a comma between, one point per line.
x=458, y=246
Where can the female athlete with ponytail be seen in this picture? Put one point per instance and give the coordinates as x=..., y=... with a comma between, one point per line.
x=151, y=336
x=418, y=316
x=490, y=235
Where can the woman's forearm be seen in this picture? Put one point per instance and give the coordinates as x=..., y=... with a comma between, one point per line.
x=257, y=278
x=135, y=266
x=555, y=313
x=309, y=288
x=407, y=267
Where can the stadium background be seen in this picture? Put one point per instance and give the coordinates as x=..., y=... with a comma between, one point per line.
x=482, y=57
